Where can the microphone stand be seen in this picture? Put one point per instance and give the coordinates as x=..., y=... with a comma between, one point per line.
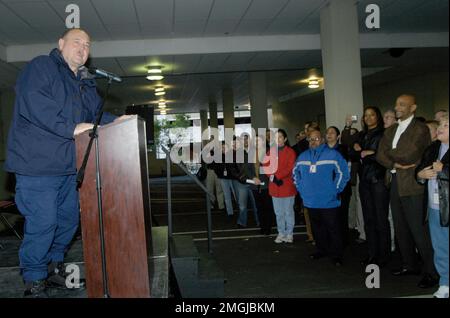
x=80, y=177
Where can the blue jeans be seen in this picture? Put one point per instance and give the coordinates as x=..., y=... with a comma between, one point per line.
x=284, y=211
x=243, y=192
x=227, y=188
x=51, y=210
x=439, y=239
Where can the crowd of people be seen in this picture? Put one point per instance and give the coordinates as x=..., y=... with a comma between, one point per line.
x=389, y=181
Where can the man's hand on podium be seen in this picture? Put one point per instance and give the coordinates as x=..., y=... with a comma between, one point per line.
x=82, y=128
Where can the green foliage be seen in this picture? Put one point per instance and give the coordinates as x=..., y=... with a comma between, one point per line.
x=168, y=133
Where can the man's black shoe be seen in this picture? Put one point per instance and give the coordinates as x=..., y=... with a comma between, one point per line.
x=35, y=289
x=316, y=256
x=405, y=272
x=428, y=281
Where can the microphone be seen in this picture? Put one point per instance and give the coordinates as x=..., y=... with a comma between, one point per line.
x=103, y=73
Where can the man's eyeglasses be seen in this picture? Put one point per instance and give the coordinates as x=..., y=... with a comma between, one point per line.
x=313, y=139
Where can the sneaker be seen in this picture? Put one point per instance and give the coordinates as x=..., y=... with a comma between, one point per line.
x=280, y=239
x=442, y=292
x=289, y=239
x=35, y=289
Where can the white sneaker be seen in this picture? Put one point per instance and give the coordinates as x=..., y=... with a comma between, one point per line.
x=442, y=292
x=280, y=239
x=289, y=239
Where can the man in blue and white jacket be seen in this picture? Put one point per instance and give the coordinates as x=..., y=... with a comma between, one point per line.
x=320, y=174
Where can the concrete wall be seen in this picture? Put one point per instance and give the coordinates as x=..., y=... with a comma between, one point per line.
x=431, y=90
x=292, y=115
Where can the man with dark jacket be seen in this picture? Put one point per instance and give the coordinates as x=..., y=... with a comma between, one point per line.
x=400, y=150
x=56, y=99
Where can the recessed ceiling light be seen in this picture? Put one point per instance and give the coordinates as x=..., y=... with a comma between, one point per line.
x=155, y=77
x=154, y=69
x=160, y=93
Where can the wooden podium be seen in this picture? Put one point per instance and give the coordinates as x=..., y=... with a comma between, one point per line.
x=126, y=210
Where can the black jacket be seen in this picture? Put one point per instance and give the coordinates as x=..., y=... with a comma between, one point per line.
x=429, y=156
x=371, y=171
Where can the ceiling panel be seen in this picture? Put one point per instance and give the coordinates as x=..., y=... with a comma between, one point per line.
x=10, y=20
x=229, y=9
x=251, y=27
x=263, y=61
x=154, y=12
x=192, y=9
x=129, y=31
x=282, y=26
x=265, y=9
x=220, y=27
x=189, y=28
x=112, y=12
x=185, y=63
x=89, y=19
x=157, y=30
x=37, y=14
x=212, y=62
x=237, y=61
x=299, y=9
x=132, y=65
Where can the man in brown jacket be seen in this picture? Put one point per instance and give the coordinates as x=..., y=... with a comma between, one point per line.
x=400, y=150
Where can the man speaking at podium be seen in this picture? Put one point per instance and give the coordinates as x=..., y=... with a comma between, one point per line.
x=56, y=100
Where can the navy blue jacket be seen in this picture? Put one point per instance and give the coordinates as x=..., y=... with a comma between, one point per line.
x=321, y=189
x=50, y=102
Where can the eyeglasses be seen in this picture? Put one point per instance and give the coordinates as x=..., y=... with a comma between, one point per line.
x=313, y=139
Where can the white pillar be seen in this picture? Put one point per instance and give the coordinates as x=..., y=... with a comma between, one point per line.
x=258, y=100
x=339, y=37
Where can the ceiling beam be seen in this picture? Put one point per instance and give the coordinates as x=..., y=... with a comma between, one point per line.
x=234, y=44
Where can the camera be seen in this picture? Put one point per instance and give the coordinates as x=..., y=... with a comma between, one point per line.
x=354, y=118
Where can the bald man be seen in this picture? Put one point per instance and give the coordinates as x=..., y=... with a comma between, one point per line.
x=400, y=150
x=56, y=99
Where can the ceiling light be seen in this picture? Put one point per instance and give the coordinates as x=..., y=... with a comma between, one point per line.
x=159, y=89
x=154, y=69
x=162, y=106
x=163, y=112
x=313, y=83
x=155, y=77
x=160, y=93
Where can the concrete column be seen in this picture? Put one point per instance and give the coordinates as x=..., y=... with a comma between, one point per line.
x=228, y=107
x=258, y=100
x=213, y=121
x=204, y=123
x=339, y=37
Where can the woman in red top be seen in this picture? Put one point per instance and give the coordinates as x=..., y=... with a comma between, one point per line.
x=278, y=165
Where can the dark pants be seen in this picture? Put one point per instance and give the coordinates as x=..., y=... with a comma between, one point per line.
x=375, y=208
x=343, y=212
x=51, y=210
x=264, y=206
x=326, y=227
x=410, y=230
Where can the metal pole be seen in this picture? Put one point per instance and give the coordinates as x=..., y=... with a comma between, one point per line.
x=208, y=211
x=100, y=219
x=169, y=197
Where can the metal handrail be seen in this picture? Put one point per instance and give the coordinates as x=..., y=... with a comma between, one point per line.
x=209, y=196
